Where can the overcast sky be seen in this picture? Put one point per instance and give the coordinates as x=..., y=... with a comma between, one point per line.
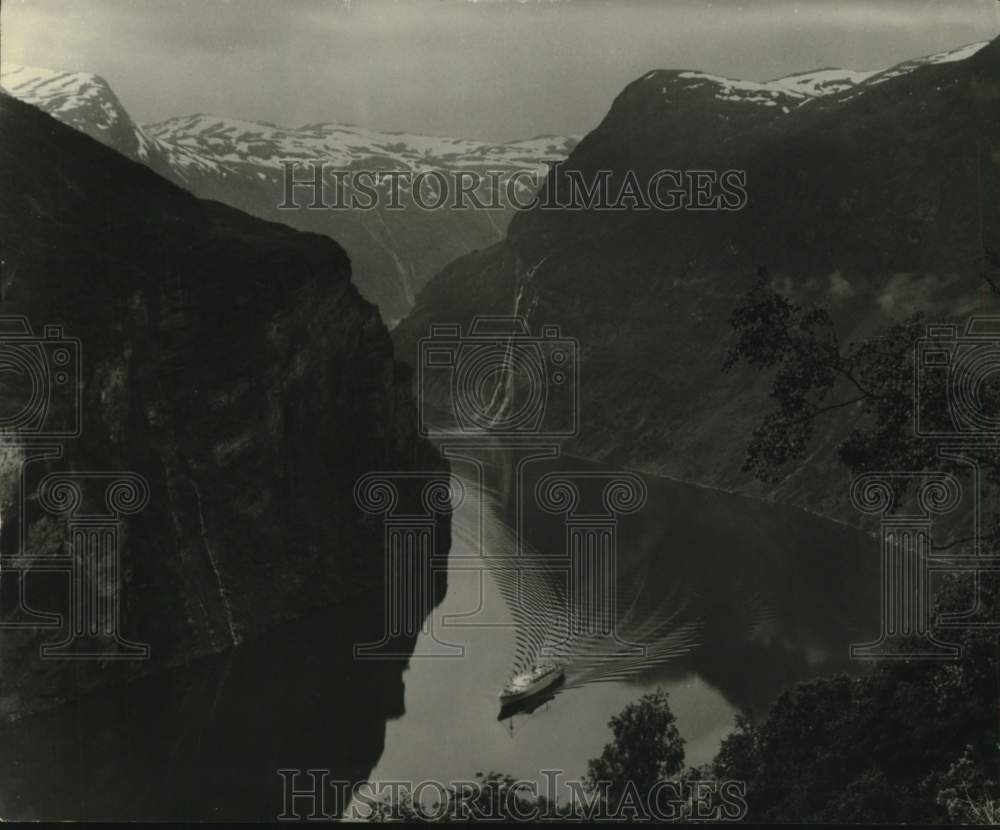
x=494, y=69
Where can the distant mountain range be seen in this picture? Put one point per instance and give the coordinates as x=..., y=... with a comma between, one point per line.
x=239, y=163
x=871, y=193
x=393, y=253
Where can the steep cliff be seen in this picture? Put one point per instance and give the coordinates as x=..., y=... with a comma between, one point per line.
x=227, y=363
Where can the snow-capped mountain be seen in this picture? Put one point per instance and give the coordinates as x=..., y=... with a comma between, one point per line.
x=395, y=252
x=79, y=99
x=801, y=88
x=258, y=149
x=789, y=91
x=214, y=143
x=237, y=162
x=86, y=102
x=950, y=56
x=872, y=194
x=235, y=142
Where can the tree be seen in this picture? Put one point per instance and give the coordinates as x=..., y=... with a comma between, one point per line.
x=905, y=741
x=968, y=795
x=816, y=377
x=910, y=742
x=647, y=748
x=738, y=752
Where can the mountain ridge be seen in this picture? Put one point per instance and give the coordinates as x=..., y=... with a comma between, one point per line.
x=869, y=201
x=239, y=163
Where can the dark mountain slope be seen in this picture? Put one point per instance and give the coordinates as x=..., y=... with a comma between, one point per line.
x=228, y=361
x=875, y=201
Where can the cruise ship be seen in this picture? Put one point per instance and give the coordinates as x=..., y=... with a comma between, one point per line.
x=529, y=683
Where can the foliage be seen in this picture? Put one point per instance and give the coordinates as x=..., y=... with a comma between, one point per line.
x=907, y=741
x=738, y=752
x=904, y=742
x=647, y=748
x=815, y=377
x=911, y=742
x=967, y=794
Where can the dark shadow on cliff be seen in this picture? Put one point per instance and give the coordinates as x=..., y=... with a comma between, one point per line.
x=204, y=742
x=231, y=365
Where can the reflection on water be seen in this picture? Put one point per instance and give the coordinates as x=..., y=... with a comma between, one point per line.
x=572, y=598
x=206, y=742
x=720, y=599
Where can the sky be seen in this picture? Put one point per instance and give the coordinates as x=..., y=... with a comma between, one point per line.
x=489, y=69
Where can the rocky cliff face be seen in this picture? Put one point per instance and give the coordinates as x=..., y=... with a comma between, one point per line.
x=393, y=252
x=228, y=364
x=874, y=197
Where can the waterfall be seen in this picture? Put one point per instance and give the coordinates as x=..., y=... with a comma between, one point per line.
x=504, y=390
x=502, y=399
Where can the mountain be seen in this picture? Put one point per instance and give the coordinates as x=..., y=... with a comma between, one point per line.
x=239, y=163
x=874, y=198
x=802, y=87
x=85, y=102
x=226, y=364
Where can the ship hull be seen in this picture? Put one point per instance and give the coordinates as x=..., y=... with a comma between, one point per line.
x=531, y=689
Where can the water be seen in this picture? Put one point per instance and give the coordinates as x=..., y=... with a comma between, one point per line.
x=732, y=600
x=728, y=600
